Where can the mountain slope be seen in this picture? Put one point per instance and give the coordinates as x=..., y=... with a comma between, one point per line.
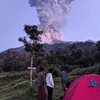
x=65, y=46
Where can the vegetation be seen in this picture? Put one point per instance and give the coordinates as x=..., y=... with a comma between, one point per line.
x=76, y=56
x=77, y=59
x=32, y=40
x=17, y=88
x=15, y=85
x=33, y=44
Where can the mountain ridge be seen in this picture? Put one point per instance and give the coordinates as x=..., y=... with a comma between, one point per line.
x=58, y=45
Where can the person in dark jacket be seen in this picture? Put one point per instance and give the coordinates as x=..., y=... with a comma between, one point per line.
x=41, y=84
x=63, y=76
x=66, y=88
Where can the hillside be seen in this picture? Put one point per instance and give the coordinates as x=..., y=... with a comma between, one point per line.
x=15, y=85
x=65, y=53
x=65, y=46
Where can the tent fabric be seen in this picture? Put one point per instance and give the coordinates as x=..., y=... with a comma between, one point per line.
x=94, y=83
x=79, y=89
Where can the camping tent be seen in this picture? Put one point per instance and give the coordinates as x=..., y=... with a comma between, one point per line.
x=86, y=87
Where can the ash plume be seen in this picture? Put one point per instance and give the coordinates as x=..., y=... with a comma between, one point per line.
x=52, y=15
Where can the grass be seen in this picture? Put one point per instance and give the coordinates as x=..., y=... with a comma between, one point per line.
x=15, y=86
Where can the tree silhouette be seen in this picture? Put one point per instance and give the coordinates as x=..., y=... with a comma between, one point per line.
x=32, y=43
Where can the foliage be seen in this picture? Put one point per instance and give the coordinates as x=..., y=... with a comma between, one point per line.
x=97, y=53
x=72, y=58
x=32, y=45
x=18, y=89
x=17, y=83
x=12, y=61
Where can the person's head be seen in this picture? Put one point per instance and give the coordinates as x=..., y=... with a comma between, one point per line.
x=62, y=68
x=41, y=69
x=50, y=70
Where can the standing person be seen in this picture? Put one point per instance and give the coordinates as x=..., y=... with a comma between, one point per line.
x=66, y=88
x=63, y=76
x=41, y=84
x=50, y=83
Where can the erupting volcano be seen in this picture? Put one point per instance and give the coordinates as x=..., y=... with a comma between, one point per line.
x=52, y=15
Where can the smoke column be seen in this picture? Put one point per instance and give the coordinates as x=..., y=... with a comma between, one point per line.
x=52, y=15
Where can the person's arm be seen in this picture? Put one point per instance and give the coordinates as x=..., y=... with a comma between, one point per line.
x=51, y=80
x=43, y=79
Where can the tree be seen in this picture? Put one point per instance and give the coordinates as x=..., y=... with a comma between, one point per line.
x=97, y=52
x=32, y=43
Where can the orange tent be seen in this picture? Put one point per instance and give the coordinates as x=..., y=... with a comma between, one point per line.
x=86, y=87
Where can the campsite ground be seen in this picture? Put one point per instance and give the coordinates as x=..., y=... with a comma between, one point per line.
x=15, y=86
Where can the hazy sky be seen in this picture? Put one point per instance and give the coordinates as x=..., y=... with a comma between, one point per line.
x=83, y=22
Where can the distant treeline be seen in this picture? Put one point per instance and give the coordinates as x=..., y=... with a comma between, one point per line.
x=80, y=54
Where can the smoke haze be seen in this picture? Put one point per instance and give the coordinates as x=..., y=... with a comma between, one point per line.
x=52, y=15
